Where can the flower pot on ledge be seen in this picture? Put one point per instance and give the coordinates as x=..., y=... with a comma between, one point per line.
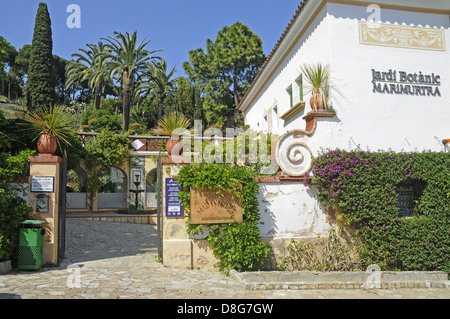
x=326, y=113
x=174, y=144
x=46, y=143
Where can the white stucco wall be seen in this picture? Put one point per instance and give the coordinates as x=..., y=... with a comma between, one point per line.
x=384, y=121
x=289, y=210
x=313, y=46
x=371, y=120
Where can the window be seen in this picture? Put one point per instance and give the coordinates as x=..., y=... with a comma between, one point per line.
x=291, y=98
x=409, y=194
x=299, y=82
x=405, y=201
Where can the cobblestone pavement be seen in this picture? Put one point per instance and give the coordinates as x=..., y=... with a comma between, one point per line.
x=118, y=261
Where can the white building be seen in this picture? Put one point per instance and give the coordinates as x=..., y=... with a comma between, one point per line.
x=390, y=79
x=389, y=62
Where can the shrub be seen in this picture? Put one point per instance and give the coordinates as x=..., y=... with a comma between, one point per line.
x=14, y=166
x=237, y=245
x=365, y=185
x=13, y=210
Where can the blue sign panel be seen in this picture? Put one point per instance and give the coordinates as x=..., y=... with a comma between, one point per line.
x=173, y=204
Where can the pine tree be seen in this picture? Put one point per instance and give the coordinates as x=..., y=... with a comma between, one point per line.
x=41, y=80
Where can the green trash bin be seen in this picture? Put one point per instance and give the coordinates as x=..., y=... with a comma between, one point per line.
x=30, y=244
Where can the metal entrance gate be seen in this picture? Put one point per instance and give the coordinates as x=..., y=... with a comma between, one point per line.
x=159, y=221
x=62, y=210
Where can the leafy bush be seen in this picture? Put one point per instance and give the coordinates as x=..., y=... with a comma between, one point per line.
x=237, y=245
x=109, y=149
x=105, y=119
x=364, y=186
x=13, y=166
x=13, y=210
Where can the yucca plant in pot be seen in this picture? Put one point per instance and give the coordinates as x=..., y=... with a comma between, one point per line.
x=173, y=125
x=52, y=127
x=318, y=76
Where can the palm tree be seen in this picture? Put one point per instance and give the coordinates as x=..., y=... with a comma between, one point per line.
x=90, y=67
x=126, y=59
x=160, y=82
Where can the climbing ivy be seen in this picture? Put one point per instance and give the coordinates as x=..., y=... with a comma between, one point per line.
x=237, y=245
x=364, y=186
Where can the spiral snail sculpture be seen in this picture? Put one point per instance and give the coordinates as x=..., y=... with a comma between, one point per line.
x=293, y=155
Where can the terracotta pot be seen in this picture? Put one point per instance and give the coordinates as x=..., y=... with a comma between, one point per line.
x=46, y=144
x=174, y=145
x=316, y=101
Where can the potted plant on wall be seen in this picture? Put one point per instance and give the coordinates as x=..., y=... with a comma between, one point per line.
x=93, y=123
x=52, y=126
x=318, y=76
x=173, y=125
x=136, y=128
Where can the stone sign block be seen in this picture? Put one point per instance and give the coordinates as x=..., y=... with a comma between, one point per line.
x=210, y=206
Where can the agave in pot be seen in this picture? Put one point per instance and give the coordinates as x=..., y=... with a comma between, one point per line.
x=52, y=126
x=318, y=76
x=173, y=125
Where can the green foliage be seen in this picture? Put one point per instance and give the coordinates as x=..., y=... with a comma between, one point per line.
x=160, y=82
x=41, y=79
x=237, y=245
x=225, y=71
x=125, y=57
x=107, y=150
x=14, y=135
x=7, y=56
x=249, y=148
x=55, y=121
x=13, y=210
x=88, y=68
x=364, y=186
x=106, y=119
x=14, y=166
x=318, y=76
x=172, y=123
x=185, y=99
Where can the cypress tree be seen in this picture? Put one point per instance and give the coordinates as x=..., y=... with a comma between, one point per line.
x=41, y=80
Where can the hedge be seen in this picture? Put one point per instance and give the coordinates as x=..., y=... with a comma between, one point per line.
x=13, y=210
x=364, y=185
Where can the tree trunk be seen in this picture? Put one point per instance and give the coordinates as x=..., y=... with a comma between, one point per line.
x=97, y=95
x=126, y=101
x=126, y=110
x=159, y=108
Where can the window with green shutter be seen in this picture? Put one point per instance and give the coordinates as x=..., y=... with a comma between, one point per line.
x=291, y=98
x=299, y=82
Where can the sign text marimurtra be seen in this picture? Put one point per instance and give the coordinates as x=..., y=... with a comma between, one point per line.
x=403, y=83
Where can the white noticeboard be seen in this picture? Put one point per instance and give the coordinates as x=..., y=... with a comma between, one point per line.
x=43, y=184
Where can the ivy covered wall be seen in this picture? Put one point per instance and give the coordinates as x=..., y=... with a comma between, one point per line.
x=397, y=203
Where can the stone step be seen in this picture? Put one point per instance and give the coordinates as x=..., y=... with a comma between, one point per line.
x=341, y=280
x=114, y=217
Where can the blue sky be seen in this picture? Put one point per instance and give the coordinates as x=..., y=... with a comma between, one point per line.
x=175, y=26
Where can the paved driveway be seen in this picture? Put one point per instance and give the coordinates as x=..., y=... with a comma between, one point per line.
x=107, y=260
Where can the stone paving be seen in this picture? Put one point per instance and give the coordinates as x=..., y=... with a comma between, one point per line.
x=106, y=260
